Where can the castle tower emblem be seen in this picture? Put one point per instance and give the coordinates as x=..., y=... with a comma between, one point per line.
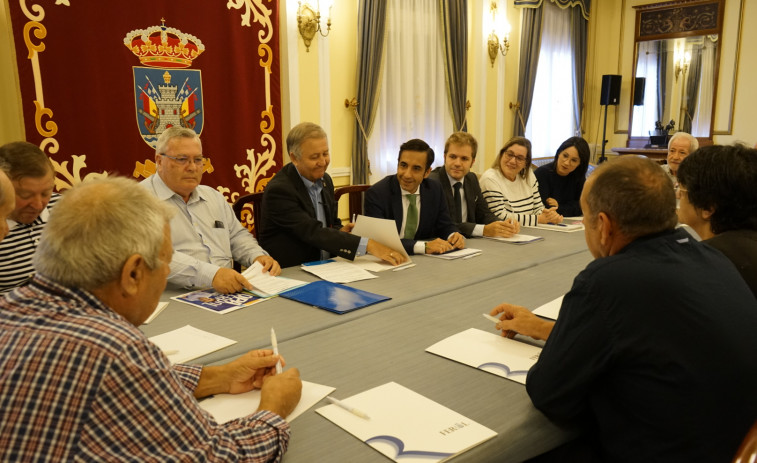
x=166, y=93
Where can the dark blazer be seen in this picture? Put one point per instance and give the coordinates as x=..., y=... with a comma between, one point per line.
x=384, y=200
x=289, y=230
x=478, y=211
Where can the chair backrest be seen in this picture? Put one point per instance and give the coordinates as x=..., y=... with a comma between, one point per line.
x=355, y=195
x=242, y=211
x=747, y=453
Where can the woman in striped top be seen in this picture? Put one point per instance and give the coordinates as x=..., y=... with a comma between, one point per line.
x=511, y=189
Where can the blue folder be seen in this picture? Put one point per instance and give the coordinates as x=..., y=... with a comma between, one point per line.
x=333, y=296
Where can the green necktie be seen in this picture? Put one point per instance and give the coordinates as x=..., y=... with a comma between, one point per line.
x=411, y=224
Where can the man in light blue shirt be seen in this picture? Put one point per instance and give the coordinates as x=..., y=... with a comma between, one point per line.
x=206, y=235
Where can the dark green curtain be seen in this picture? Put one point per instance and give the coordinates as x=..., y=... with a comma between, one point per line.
x=579, y=34
x=371, y=27
x=455, y=24
x=529, y=59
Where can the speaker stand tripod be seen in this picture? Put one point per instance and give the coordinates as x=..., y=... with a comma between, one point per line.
x=603, y=158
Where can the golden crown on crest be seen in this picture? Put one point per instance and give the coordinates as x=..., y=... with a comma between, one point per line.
x=164, y=47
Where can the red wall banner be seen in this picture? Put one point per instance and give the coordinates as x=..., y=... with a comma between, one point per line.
x=101, y=80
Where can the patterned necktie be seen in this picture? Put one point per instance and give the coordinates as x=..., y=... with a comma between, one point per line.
x=411, y=224
x=458, y=216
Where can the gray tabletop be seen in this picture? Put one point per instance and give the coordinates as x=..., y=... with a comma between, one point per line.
x=250, y=327
x=390, y=346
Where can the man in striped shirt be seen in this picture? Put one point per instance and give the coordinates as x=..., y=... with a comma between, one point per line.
x=82, y=383
x=33, y=178
x=7, y=200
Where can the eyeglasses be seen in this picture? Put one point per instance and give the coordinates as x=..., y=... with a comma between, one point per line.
x=183, y=160
x=511, y=155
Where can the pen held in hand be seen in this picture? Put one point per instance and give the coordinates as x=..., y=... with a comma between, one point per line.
x=352, y=410
x=275, y=346
x=492, y=318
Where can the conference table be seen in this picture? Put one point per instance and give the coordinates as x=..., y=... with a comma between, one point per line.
x=386, y=342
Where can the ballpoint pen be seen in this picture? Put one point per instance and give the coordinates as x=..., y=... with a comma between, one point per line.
x=492, y=318
x=275, y=345
x=343, y=405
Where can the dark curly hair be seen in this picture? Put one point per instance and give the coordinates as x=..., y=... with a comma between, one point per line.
x=723, y=179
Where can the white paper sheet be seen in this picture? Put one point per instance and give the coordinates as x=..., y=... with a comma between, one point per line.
x=489, y=352
x=406, y=426
x=551, y=309
x=339, y=271
x=567, y=226
x=516, y=238
x=187, y=343
x=458, y=254
x=266, y=285
x=227, y=407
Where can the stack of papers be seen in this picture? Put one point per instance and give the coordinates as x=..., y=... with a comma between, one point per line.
x=457, y=254
x=227, y=407
x=187, y=343
x=551, y=309
x=382, y=231
x=489, y=352
x=517, y=239
x=265, y=285
x=566, y=227
x=212, y=300
x=406, y=426
x=337, y=271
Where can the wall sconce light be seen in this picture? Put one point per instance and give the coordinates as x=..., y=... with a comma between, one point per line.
x=309, y=21
x=682, y=60
x=498, y=22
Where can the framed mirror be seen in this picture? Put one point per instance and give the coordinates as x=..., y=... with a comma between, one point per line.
x=676, y=60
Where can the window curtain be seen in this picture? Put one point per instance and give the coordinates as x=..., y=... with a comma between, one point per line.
x=645, y=116
x=371, y=26
x=703, y=113
x=662, y=78
x=529, y=59
x=579, y=38
x=455, y=24
x=551, y=120
x=413, y=99
x=689, y=104
x=584, y=6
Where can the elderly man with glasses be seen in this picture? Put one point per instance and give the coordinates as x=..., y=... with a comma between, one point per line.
x=206, y=235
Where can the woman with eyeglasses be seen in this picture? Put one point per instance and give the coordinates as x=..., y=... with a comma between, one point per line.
x=511, y=189
x=562, y=180
x=718, y=199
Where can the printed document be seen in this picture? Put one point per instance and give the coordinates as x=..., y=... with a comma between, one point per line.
x=490, y=352
x=406, y=426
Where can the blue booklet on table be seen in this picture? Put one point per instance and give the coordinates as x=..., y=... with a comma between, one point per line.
x=333, y=296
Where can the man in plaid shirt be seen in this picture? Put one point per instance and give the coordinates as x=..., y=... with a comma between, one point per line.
x=80, y=382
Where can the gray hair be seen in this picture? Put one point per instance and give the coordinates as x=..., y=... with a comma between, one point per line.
x=300, y=133
x=635, y=193
x=693, y=142
x=95, y=227
x=174, y=132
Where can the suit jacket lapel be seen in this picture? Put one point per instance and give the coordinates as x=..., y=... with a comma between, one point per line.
x=470, y=200
x=396, y=199
x=299, y=186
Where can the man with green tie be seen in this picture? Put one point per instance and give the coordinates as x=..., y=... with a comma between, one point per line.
x=415, y=203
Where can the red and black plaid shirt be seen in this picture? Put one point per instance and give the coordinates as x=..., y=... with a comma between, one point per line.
x=80, y=383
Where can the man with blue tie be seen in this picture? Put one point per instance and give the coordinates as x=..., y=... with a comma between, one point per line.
x=299, y=221
x=416, y=205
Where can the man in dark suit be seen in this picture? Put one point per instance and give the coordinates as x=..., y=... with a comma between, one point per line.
x=299, y=220
x=472, y=217
x=398, y=197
